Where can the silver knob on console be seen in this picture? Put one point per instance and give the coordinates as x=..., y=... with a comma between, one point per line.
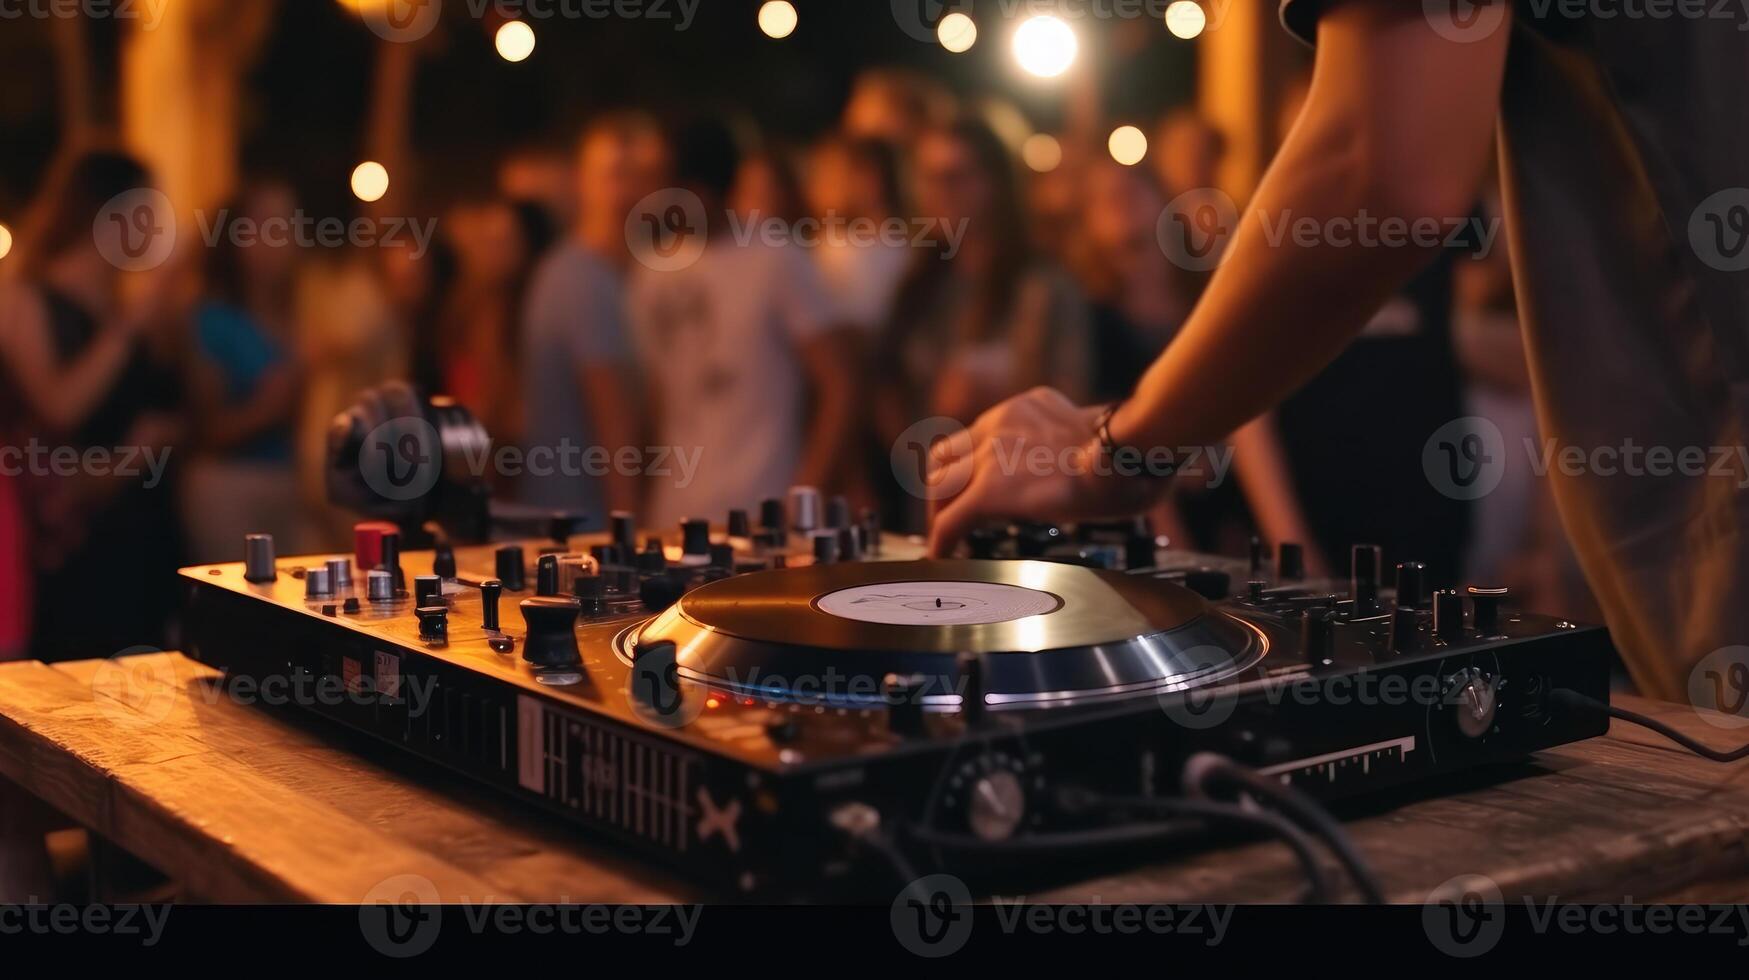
x=318, y=584
x=258, y=558
x=804, y=509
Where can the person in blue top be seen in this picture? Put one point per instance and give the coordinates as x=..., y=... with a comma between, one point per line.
x=245, y=379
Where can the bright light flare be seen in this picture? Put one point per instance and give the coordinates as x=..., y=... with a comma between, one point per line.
x=1041, y=152
x=1185, y=19
x=957, y=32
x=1128, y=145
x=777, y=18
x=370, y=181
x=1045, y=46
x=514, y=40
x=5, y=241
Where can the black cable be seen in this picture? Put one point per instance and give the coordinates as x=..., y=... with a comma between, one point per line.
x=1205, y=766
x=1208, y=811
x=1574, y=699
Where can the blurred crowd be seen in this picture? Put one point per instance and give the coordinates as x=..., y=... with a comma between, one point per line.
x=566, y=311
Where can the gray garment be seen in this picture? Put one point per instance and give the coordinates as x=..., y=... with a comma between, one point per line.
x=1623, y=157
x=574, y=317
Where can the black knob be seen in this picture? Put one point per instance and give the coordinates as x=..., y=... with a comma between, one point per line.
x=1254, y=589
x=546, y=576
x=658, y=592
x=1318, y=635
x=1211, y=584
x=723, y=555
x=1448, y=614
x=1364, y=563
x=443, y=562
x=258, y=558
x=825, y=547
x=871, y=530
x=739, y=526
x=591, y=593
x=1412, y=584
x=510, y=568
x=1485, y=609
x=695, y=536
x=491, y=591
x=651, y=562
x=552, y=632
x=433, y=622
x=392, y=558
x=1258, y=555
x=1290, y=562
x=972, y=705
x=850, y=543
x=1405, y=630
x=771, y=515
x=604, y=554
x=838, y=513
x=903, y=694
x=625, y=531
x=427, y=590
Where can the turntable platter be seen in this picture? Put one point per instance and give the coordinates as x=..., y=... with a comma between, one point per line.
x=1049, y=633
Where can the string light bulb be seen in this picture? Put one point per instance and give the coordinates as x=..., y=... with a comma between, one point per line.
x=957, y=32
x=1128, y=145
x=777, y=18
x=1185, y=19
x=370, y=181
x=1045, y=46
x=514, y=40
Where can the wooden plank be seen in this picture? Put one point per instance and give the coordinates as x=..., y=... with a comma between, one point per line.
x=241, y=804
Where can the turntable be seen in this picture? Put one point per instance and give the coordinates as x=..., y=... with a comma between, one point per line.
x=753, y=706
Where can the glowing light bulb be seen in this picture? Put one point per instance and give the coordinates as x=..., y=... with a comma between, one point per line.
x=957, y=32
x=777, y=18
x=1128, y=145
x=515, y=41
x=370, y=181
x=1045, y=46
x=5, y=241
x=1041, y=152
x=1185, y=18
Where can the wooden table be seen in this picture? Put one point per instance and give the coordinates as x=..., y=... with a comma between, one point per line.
x=238, y=804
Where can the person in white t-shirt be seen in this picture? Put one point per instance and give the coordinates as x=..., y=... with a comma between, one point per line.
x=751, y=381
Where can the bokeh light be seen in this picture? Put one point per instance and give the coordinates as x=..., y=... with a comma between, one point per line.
x=1128, y=145
x=370, y=181
x=1185, y=18
x=1045, y=46
x=957, y=32
x=5, y=241
x=515, y=41
x=1041, y=152
x=777, y=18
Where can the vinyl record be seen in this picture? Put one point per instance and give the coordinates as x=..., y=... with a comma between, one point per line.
x=1045, y=633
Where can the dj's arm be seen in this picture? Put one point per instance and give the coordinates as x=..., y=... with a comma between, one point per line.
x=1399, y=123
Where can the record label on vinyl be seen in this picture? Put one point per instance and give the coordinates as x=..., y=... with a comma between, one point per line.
x=938, y=603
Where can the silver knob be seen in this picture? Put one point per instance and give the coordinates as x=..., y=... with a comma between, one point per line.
x=318, y=584
x=258, y=558
x=804, y=508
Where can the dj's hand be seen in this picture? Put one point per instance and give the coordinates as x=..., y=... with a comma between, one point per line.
x=1035, y=457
